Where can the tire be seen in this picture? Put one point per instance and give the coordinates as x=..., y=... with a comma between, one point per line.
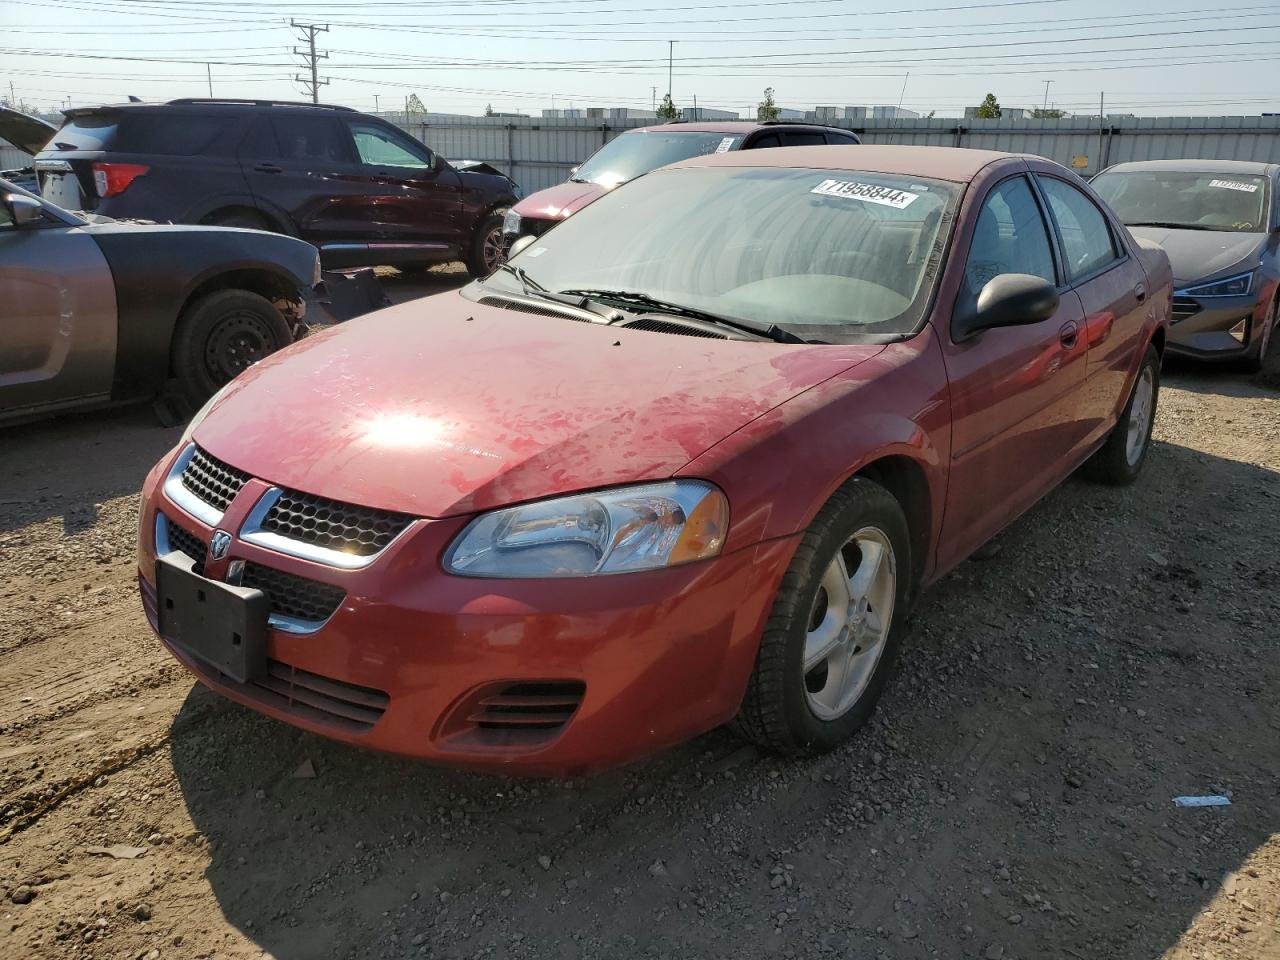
x=1116, y=462
x=487, y=252
x=1257, y=359
x=792, y=711
x=220, y=335
x=239, y=218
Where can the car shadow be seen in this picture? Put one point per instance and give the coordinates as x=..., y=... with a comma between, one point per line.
x=1203, y=377
x=66, y=467
x=1012, y=797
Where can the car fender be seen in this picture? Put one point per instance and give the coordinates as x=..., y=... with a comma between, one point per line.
x=781, y=468
x=157, y=268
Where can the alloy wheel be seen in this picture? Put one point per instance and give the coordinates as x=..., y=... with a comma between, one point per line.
x=1141, y=413
x=491, y=250
x=849, y=623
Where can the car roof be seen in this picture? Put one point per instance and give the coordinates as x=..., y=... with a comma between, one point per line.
x=200, y=103
x=731, y=126
x=958, y=164
x=1255, y=167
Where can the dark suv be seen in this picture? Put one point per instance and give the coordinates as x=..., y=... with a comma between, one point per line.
x=360, y=189
x=638, y=151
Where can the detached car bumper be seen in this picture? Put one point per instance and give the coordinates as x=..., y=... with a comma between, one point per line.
x=1216, y=327
x=522, y=676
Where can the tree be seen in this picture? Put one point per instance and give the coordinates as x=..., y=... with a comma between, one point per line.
x=488, y=109
x=1050, y=114
x=929, y=115
x=667, y=110
x=767, y=109
x=989, y=109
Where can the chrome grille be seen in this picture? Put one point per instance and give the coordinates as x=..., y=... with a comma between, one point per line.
x=342, y=527
x=1184, y=307
x=212, y=481
x=294, y=596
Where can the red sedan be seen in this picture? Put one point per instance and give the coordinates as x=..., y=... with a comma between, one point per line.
x=687, y=460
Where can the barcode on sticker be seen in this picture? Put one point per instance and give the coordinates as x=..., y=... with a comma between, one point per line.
x=1235, y=185
x=866, y=192
x=725, y=145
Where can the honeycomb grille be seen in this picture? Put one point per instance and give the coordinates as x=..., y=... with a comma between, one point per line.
x=344, y=527
x=211, y=480
x=294, y=596
x=188, y=543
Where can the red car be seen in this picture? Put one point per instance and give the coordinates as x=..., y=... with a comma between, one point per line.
x=685, y=461
x=638, y=151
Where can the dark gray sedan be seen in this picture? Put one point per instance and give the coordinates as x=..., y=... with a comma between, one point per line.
x=94, y=313
x=1219, y=220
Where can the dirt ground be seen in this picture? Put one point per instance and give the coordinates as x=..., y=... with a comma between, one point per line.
x=1011, y=799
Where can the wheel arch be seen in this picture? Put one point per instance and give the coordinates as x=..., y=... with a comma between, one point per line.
x=907, y=482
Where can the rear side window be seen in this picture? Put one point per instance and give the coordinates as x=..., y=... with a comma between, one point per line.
x=93, y=132
x=841, y=139
x=175, y=135
x=311, y=138
x=1010, y=237
x=768, y=140
x=797, y=139
x=1085, y=235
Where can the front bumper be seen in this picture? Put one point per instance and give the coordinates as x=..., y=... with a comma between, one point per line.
x=1203, y=326
x=413, y=661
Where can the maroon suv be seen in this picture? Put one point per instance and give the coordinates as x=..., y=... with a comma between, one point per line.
x=638, y=151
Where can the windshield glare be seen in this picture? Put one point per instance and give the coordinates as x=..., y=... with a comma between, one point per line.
x=1232, y=203
x=632, y=154
x=824, y=252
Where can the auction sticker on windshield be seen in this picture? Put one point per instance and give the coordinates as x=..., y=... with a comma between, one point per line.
x=866, y=192
x=1235, y=185
x=725, y=145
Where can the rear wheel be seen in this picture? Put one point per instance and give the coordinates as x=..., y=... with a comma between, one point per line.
x=486, y=253
x=835, y=627
x=220, y=336
x=1120, y=459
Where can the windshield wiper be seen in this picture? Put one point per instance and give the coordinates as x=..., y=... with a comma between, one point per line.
x=1170, y=225
x=770, y=330
x=532, y=288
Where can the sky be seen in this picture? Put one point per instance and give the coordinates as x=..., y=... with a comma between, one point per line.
x=458, y=56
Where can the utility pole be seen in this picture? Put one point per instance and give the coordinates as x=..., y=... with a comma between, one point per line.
x=208, y=72
x=375, y=103
x=1045, y=108
x=654, y=93
x=671, y=47
x=695, y=108
x=312, y=58
x=1102, y=122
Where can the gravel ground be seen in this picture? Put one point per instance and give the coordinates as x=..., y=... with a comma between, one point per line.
x=1011, y=799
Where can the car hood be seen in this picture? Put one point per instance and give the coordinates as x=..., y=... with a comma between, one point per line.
x=24, y=132
x=1198, y=255
x=560, y=201
x=443, y=406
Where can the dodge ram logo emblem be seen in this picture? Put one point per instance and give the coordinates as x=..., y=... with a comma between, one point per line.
x=219, y=544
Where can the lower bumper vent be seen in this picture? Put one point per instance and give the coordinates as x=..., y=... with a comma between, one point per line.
x=516, y=715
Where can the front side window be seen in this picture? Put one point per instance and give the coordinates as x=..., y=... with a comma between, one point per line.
x=1010, y=237
x=1085, y=235
x=378, y=147
x=828, y=254
x=1232, y=203
x=633, y=154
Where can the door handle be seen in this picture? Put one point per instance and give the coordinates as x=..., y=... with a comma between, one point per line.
x=267, y=168
x=1140, y=291
x=1068, y=333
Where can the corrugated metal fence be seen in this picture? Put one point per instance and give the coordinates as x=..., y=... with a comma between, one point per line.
x=11, y=158
x=539, y=153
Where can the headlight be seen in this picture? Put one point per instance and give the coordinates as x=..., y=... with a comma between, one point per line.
x=1236, y=286
x=511, y=222
x=612, y=531
x=200, y=415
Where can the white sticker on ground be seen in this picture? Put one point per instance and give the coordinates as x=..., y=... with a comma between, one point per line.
x=866, y=192
x=725, y=145
x=1234, y=185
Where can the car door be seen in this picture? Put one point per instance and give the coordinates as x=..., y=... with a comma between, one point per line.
x=1015, y=391
x=1112, y=287
x=58, y=324
x=304, y=166
x=418, y=198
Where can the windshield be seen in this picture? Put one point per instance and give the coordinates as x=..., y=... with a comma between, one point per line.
x=825, y=254
x=1232, y=203
x=632, y=154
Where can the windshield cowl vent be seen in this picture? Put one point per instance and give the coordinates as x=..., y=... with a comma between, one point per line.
x=682, y=328
x=524, y=306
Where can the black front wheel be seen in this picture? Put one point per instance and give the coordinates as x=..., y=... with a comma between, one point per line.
x=487, y=252
x=220, y=336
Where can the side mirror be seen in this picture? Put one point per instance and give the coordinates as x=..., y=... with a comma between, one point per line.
x=23, y=210
x=1009, y=300
x=521, y=245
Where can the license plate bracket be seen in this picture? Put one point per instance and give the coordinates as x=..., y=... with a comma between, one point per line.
x=222, y=624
